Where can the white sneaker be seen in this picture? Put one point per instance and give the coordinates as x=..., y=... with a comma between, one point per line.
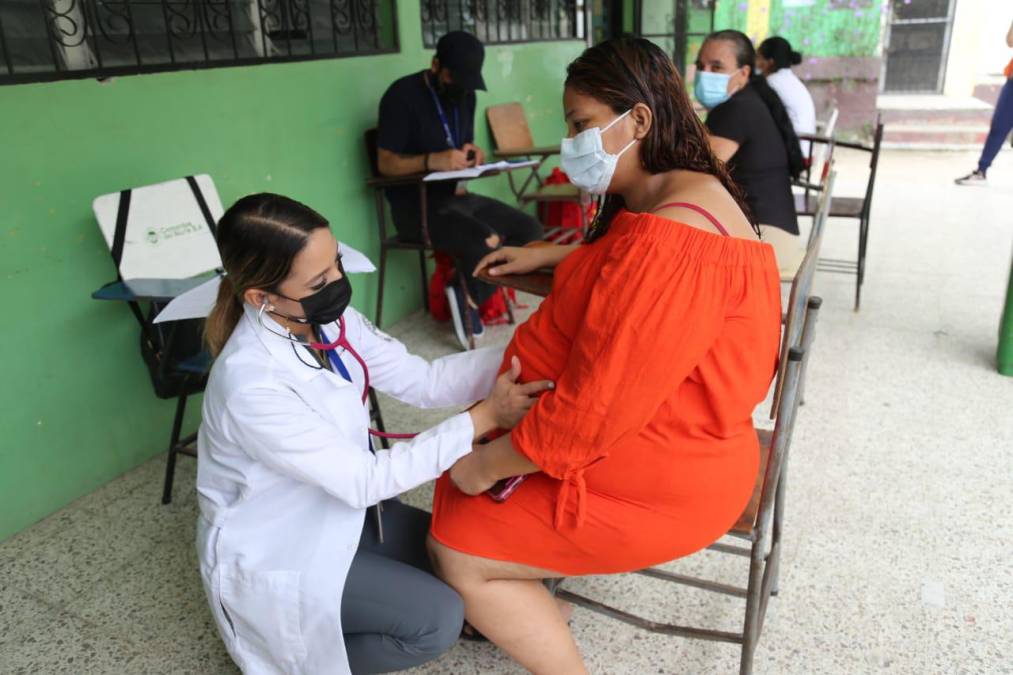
x=976, y=177
x=458, y=307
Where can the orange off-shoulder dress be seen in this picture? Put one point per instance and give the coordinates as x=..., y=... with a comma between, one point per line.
x=661, y=338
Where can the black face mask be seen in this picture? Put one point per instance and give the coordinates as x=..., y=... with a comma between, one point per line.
x=326, y=305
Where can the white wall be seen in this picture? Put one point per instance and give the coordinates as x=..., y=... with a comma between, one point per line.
x=977, y=44
x=993, y=54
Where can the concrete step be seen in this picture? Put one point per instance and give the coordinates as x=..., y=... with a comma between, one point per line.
x=933, y=110
x=987, y=92
x=951, y=116
x=937, y=134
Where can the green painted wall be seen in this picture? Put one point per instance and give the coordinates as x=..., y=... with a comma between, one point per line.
x=76, y=405
x=824, y=28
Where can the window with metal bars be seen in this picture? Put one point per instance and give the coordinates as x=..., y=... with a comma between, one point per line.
x=504, y=21
x=62, y=39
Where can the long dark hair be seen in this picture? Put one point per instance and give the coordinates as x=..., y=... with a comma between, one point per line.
x=778, y=51
x=258, y=237
x=625, y=71
x=745, y=55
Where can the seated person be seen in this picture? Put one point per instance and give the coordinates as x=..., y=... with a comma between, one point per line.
x=427, y=123
x=661, y=336
x=751, y=131
x=774, y=60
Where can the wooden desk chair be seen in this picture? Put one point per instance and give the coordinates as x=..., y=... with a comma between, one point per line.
x=512, y=136
x=855, y=208
x=762, y=521
x=759, y=524
x=162, y=241
x=394, y=242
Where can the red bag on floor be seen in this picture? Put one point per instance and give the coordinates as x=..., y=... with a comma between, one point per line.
x=563, y=214
x=493, y=311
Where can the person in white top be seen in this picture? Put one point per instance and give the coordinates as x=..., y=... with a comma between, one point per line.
x=298, y=579
x=774, y=58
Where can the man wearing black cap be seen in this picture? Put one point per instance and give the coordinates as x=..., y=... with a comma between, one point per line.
x=427, y=123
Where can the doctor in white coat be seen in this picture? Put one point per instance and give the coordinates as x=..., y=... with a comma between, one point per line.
x=298, y=578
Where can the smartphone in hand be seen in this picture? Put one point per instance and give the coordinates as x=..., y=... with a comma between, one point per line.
x=502, y=490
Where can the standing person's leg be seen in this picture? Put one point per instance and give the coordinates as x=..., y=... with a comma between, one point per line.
x=1002, y=124
x=395, y=614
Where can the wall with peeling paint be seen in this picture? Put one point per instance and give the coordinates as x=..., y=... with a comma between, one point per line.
x=76, y=406
x=840, y=41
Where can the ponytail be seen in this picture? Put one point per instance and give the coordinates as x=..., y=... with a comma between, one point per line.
x=224, y=317
x=784, y=126
x=778, y=51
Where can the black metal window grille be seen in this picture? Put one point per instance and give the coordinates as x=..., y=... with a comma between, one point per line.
x=504, y=21
x=44, y=40
x=678, y=26
x=917, y=45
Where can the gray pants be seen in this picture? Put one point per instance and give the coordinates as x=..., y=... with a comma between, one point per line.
x=394, y=613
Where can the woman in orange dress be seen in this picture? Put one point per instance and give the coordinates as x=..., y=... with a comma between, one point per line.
x=661, y=337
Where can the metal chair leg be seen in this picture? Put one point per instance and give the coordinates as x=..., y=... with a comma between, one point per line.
x=170, y=462
x=863, y=238
x=466, y=319
x=775, y=548
x=754, y=602
x=425, y=281
x=377, y=416
x=380, y=280
x=509, y=307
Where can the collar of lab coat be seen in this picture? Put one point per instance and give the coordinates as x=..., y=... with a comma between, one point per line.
x=281, y=349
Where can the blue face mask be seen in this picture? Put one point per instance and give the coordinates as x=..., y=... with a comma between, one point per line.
x=711, y=89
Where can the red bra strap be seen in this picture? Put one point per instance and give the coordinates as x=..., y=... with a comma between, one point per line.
x=699, y=209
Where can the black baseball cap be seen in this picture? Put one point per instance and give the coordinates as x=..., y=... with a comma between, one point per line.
x=462, y=54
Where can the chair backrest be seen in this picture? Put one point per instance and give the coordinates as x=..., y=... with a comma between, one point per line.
x=801, y=290
x=831, y=124
x=784, y=428
x=374, y=161
x=822, y=160
x=509, y=126
x=877, y=144
x=162, y=231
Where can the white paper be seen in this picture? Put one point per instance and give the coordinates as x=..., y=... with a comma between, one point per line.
x=198, y=301
x=476, y=171
x=194, y=304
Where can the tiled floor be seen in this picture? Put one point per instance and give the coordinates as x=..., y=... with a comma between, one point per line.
x=898, y=542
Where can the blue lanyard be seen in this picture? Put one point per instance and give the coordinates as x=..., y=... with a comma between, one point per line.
x=443, y=117
x=332, y=354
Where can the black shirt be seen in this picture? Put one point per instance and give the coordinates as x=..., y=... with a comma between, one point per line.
x=760, y=166
x=410, y=125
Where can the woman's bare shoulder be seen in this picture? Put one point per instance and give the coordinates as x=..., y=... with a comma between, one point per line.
x=707, y=193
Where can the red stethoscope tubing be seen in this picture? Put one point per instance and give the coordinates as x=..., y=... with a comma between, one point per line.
x=343, y=342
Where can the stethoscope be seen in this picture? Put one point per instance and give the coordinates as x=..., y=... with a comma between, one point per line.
x=331, y=349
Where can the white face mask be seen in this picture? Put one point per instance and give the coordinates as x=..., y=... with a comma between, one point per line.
x=585, y=160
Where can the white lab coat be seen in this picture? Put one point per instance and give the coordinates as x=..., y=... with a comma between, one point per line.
x=284, y=477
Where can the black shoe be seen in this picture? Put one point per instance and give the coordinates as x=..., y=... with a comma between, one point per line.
x=976, y=177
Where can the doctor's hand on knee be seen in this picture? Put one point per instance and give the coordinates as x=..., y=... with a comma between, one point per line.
x=507, y=402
